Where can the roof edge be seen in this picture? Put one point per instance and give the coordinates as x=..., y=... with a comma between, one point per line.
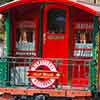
x=16, y=3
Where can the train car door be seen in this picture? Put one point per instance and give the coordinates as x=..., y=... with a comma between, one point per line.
x=55, y=31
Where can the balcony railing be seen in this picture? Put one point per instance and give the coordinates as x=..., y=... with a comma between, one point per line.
x=71, y=72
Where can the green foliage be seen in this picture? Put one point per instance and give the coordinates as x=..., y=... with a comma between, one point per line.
x=4, y=1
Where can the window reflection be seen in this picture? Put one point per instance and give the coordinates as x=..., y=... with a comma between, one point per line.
x=84, y=37
x=83, y=44
x=56, y=21
x=25, y=37
x=25, y=40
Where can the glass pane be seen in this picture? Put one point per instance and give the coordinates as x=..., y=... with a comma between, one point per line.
x=56, y=19
x=83, y=44
x=25, y=37
x=84, y=37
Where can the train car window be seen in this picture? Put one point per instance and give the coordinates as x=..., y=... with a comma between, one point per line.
x=84, y=37
x=56, y=19
x=25, y=37
x=83, y=44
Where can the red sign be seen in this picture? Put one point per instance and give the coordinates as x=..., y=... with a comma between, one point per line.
x=48, y=76
x=42, y=74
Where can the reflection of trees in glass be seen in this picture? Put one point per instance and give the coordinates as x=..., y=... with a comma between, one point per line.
x=56, y=20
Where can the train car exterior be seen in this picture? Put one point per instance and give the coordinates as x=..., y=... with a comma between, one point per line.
x=49, y=50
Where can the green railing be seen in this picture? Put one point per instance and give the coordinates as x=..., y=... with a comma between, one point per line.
x=74, y=73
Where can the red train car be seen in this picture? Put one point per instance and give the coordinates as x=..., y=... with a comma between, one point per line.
x=49, y=50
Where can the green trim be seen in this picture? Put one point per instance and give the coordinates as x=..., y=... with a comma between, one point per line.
x=69, y=41
x=40, y=31
x=7, y=47
x=95, y=33
x=7, y=34
x=96, y=50
x=95, y=46
x=3, y=71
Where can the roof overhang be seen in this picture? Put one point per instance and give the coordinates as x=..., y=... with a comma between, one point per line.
x=83, y=6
